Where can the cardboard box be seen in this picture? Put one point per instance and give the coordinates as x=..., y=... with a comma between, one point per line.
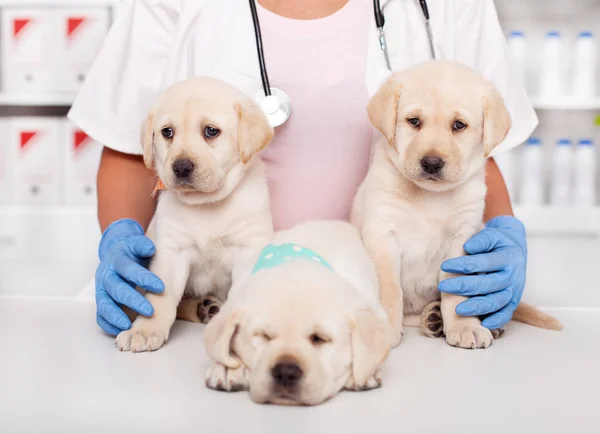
x=37, y=166
x=27, y=52
x=82, y=158
x=82, y=33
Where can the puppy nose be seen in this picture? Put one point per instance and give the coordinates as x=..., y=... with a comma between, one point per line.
x=183, y=168
x=287, y=374
x=432, y=165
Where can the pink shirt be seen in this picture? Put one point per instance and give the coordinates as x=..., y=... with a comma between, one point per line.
x=320, y=156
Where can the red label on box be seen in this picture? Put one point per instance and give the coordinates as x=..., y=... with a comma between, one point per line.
x=19, y=24
x=25, y=138
x=81, y=139
x=73, y=25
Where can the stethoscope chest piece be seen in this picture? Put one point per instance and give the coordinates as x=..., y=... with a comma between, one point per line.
x=276, y=106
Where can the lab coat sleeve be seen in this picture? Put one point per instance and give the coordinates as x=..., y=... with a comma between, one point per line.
x=481, y=44
x=125, y=78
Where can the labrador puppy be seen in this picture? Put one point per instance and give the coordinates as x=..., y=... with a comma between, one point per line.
x=202, y=138
x=424, y=195
x=298, y=331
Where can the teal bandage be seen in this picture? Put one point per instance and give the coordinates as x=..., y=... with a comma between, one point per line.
x=275, y=255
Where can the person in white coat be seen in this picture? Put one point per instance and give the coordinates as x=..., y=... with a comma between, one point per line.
x=326, y=55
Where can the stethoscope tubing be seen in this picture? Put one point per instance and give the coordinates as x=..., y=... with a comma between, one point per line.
x=259, y=47
x=284, y=104
x=380, y=22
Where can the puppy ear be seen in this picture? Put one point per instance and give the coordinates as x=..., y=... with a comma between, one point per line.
x=496, y=120
x=148, y=139
x=371, y=342
x=254, y=131
x=218, y=336
x=383, y=108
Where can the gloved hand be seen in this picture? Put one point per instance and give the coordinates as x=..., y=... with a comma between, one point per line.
x=499, y=251
x=123, y=251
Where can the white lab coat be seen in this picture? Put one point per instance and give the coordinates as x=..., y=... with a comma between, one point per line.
x=155, y=43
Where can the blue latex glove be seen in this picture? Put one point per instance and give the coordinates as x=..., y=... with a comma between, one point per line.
x=499, y=251
x=123, y=251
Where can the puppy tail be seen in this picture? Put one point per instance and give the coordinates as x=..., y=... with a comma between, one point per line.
x=531, y=315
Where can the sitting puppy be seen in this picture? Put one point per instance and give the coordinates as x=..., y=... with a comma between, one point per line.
x=424, y=195
x=302, y=321
x=201, y=138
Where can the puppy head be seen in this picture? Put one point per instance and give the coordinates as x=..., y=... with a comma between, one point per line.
x=442, y=121
x=201, y=135
x=302, y=334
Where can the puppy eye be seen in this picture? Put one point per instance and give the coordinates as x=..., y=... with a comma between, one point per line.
x=459, y=126
x=211, y=132
x=168, y=133
x=415, y=122
x=264, y=336
x=317, y=339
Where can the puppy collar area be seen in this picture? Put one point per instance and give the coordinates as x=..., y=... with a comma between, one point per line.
x=158, y=187
x=275, y=255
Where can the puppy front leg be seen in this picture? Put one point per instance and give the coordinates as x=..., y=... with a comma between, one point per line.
x=385, y=256
x=460, y=331
x=220, y=377
x=151, y=333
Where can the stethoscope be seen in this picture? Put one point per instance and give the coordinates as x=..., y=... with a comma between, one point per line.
x=275, y=102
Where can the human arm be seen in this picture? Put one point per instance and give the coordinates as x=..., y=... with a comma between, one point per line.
x=121, y=86
x=125, y=188
x=125, y=208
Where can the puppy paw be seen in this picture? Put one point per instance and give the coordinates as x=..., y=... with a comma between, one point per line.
x=138, y=340
x=207, y=308
x=372, y=383
x=497, y=333
x=470, y=337
x=199, y=309
x=219, y=377
x=432, y=324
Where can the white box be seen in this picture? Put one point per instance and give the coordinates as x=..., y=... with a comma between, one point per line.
x=6, y=164
x=36, y=143
x=82, y=32
x=82, y=158
x=27, y=50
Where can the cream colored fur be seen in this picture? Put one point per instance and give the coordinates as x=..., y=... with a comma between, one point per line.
x=271, y=316
x=411, y=222
x=203, y=227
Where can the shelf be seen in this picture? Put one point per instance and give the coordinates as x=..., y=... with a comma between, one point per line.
x=565, y=104
x=38, y=100
x=58, y=3
x=48, y=210
x=560, y=221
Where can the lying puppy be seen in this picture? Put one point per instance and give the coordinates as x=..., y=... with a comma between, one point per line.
x=424, y=195
x=304, y=322
x=201, y=138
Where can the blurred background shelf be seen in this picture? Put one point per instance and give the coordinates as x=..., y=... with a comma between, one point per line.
x=565, y=104
x=47, y=210
x=49, y=250
x=59, y=3
x=553, y=221
x=37, y=99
